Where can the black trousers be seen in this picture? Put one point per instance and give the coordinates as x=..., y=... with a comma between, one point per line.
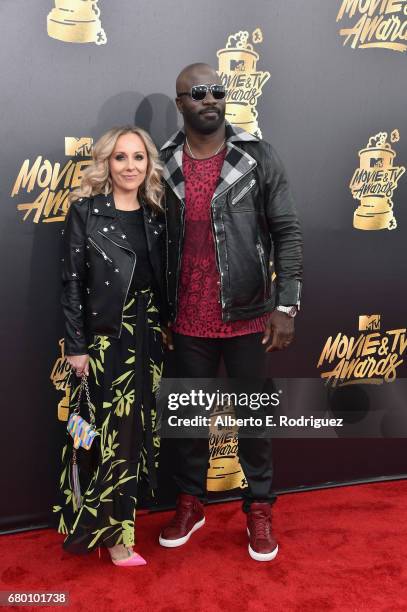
x=244, y=357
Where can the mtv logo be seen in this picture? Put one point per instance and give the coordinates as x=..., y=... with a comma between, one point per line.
x=237, y=65
x=78, y=147
x=376, y=162
x=369, y=322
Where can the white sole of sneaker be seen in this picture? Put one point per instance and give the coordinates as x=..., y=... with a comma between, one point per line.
x=183, y=540
x=262, y=556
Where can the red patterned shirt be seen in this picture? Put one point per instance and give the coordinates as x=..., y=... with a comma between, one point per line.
x=199, y=308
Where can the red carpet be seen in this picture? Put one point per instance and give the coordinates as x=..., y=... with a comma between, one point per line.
x=340, y=549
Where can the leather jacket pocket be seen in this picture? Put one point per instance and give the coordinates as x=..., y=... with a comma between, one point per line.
x=243, y=192
x=99, y=250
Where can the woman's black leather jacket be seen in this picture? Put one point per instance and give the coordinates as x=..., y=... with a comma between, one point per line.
x=98, y=264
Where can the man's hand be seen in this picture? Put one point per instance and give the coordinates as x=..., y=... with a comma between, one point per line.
x=167, y=337
x=79, y=364
x=279, y=332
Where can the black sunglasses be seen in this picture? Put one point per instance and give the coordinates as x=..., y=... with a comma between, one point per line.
x=198, y=92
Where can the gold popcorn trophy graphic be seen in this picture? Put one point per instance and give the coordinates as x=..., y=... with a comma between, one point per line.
x=224, y=472
x=76, y=21
x=374, y=183
x=243, y=82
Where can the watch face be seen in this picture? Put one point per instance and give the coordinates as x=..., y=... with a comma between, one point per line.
x=293, y=311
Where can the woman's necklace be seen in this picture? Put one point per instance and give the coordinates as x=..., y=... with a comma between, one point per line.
x=213, y=154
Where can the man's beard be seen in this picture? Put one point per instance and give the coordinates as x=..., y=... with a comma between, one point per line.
x=201, y=125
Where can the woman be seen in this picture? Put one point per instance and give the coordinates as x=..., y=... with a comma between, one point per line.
x=113, y=303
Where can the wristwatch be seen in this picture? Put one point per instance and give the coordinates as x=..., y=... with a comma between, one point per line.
x=291, y=311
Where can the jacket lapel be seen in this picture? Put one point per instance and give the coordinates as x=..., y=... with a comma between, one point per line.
x=172, y=172
x=153, y=228
x=237, y=163
x=103, y=206
x=111, y=229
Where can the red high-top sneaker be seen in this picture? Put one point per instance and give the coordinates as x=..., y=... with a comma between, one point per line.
x=189, y=516
x=262, y=545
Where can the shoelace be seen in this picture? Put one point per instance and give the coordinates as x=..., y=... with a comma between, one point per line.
x=262, y=526
x=180, y=517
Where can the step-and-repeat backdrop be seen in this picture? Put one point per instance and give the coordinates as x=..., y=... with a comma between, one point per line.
x=324, y=81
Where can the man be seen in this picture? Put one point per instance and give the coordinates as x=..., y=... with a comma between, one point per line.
x=227, y=205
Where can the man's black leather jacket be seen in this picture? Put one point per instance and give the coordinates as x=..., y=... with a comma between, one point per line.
x=98, y=265
x=253, y=218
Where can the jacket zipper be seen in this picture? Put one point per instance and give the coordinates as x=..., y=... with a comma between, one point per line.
x=240, y=195
x=217, y=260
x=179, y=254
x=263, y=267
x=179, y=260
x=216, y=239
x=132, y=272
x=175, y=305
x=99, y=249
x=234, y=184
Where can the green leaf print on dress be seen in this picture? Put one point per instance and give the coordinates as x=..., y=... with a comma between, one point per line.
x=124, y=375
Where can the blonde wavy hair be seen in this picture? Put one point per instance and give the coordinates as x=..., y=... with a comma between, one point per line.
x=96, y=177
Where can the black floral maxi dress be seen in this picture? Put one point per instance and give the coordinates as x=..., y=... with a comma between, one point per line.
x=124, y=375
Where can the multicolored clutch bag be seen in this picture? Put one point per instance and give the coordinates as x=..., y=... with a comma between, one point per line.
x=82, y=432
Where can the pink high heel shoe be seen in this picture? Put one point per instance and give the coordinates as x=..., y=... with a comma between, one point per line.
x=131, y=561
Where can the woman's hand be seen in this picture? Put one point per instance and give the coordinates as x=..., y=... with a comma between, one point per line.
x=79, y=364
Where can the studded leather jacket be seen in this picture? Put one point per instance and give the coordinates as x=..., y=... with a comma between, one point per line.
x=253, y=219
x=98, y=264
